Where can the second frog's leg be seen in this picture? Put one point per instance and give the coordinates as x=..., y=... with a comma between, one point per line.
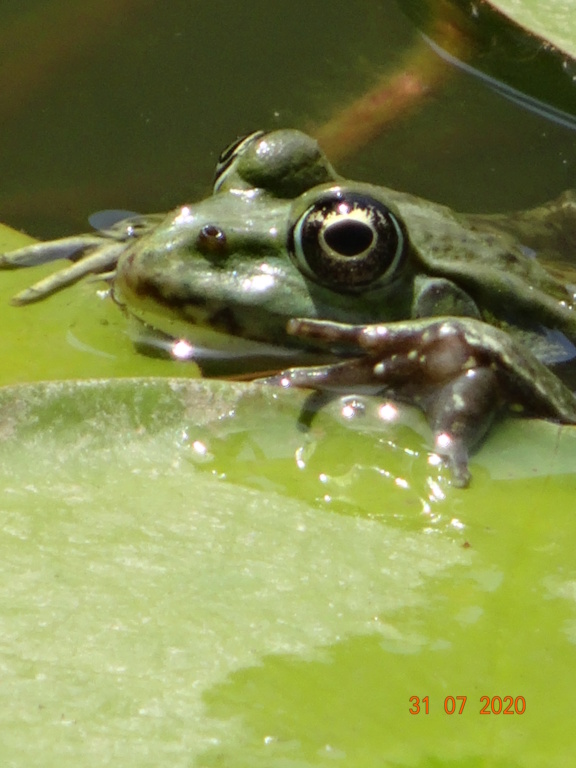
x=102, y=258
x=93, y=253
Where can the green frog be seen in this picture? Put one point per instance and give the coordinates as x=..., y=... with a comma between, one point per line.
x=395, y=295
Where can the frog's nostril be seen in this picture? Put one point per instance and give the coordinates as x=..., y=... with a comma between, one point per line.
x=211, y=240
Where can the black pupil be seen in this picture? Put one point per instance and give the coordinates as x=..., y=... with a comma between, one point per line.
x=349, y=238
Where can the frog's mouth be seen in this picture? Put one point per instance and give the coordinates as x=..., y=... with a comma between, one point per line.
x=247, y=331
x=215, y=351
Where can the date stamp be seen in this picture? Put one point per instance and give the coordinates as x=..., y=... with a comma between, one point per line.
x=455, y=705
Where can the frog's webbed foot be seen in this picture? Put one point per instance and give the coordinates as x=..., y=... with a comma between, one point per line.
x=91, y=254
x=457, y=370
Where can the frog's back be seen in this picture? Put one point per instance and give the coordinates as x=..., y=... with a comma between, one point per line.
x=504, y=276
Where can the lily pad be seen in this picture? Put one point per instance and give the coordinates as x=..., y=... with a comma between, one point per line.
x=188, y=579
x=551, y=20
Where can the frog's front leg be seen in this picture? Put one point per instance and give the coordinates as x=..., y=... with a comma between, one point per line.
x=459, y=371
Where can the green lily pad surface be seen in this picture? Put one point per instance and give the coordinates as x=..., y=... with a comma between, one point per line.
x=552, y=20
x=189, y=579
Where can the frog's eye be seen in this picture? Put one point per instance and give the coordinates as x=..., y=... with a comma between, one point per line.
x=348, y=241
x=227, y=156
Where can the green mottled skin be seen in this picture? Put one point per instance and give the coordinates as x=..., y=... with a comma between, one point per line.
x=167, y=275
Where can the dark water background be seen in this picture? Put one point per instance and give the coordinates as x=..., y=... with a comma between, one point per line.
x=128, y=106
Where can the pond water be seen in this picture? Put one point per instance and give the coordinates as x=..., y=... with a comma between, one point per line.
x=130, y=107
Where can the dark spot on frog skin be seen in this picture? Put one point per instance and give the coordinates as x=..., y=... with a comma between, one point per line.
x=225, y=320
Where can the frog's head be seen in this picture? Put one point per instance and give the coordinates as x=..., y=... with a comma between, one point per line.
x=281, y=236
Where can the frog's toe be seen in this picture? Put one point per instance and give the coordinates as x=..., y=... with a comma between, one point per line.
x=455, y=453
x=71, y=248
x=101, y=259
x=460, y=413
